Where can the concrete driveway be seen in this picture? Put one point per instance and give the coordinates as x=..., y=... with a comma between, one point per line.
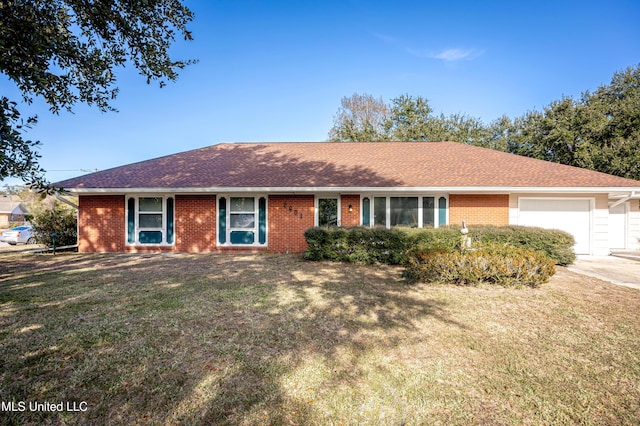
x=617, y=270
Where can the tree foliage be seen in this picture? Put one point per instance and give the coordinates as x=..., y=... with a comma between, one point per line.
x=360, y=118
x=410, y=119
x=67, y=52
x=363, y=118
x=56, y=219
x=599, y=131
x=18, y=157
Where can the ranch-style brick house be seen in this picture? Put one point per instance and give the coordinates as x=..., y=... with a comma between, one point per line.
x=263, y=196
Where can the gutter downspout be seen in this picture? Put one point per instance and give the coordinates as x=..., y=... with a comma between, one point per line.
x=623, y=200
x=64, y=200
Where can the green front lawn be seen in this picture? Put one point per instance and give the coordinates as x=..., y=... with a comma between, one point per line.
x=272, y=339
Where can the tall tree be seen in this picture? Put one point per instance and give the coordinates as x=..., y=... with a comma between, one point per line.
x=66, y=52
x=410, y=119
x=555, y=134
x=465, y=129
x=615, y=124
x=498, y=134
x=600, y=131
x=361, y=118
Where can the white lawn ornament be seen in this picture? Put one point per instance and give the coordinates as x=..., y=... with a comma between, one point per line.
x=465, y=240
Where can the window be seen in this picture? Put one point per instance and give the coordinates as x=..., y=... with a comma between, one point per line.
x=380, y=211
x=242, y=220
x=242, y=213
x=150, y=220
x=415, y=211
x=327, y=212
x=404, y=211
x=428, y=214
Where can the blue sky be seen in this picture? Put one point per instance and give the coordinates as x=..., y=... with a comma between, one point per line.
x=277, y=70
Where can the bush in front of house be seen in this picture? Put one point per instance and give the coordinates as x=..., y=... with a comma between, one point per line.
x=445, y=238
x=490, y=263
x=357, y=244
x=389, y=246
x=58, y=219
x=556, y=244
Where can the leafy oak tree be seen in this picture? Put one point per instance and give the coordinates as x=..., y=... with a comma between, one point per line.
x=363, y=118
x=410, y=119
x=67, y=52
x=600, y=131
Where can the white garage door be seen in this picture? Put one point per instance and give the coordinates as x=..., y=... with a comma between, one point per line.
x=573, y=216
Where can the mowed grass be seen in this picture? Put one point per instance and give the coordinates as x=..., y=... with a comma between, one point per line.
x=272, y=339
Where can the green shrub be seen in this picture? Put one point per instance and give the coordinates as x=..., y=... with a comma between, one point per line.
x=58, y=219
x=444, y=238
x=389, y=246
x=358, y=244
x=491, y=263
x=556, y=244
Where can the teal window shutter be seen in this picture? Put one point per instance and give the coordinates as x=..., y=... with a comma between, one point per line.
x=262, y=220
x=442, y=211
x=366, y=212
x=170, y=220
x=222, y=220
x=131, y=220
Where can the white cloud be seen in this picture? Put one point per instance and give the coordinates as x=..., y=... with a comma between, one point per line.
x=385, y=38
x=447, y=55
x=457, y=54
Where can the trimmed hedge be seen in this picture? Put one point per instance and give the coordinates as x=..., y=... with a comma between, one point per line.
x=492, y=263
x=556, y=244
x=389, y=246
x=358, y=244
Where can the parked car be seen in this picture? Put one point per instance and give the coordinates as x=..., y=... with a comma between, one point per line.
x=19, y=234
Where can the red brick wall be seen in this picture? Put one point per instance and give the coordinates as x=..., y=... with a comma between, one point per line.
x=195, y=223
x=492, y=209
x=102, y=220
x=101, y=223
x=350, y=218
x=285, y=227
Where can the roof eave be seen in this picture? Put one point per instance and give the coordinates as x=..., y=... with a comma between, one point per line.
x=311, y=190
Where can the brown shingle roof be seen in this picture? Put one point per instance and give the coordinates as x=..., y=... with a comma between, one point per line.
x=345, y=165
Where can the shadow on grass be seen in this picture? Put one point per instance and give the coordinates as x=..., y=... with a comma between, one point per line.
x=212, y=339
